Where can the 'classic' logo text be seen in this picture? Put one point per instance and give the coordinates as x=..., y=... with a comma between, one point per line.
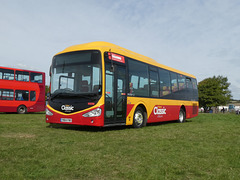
x=67, y=107
x=159, y=111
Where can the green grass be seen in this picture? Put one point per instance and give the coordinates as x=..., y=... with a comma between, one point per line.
x=205, y=147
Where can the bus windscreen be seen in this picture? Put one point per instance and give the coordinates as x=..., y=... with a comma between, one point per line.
x=76, y=74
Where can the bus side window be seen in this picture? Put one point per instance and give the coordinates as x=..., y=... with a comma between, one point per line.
x=36, y=77
x=174, y=82
x=154, y=84
x=32, y=96
x=21, y=95
x=7, y=74
x=181, y=82
x=195, y=89
x=164, y=83
x=133, y=85
x=194, y=83
x=138, y=80
x=22, y=76
x=6, y=94
x=189, y=83
x=1, y=74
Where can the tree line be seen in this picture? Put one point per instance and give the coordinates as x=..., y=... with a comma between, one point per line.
x=214, y=92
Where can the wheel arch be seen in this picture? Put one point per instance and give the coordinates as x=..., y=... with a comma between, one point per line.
x=183, y=107
x=182, y=116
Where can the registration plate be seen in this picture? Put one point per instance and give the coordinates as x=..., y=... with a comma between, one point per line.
x=69, y=120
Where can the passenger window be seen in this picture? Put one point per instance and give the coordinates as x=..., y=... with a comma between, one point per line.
x=164, y=83
x=181, y=82
x=21, y=95
x=6, y=94
x=32, y=96
x=189, y=83
x=174, y=82
x=138, y=73
x=194, y=83
x=7, y=74
x=134, y=82
x=154, y=84
x=22, y=76
x=36, y=77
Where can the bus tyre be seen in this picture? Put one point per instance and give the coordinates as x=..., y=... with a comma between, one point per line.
x=139, y=118
x=182, y=116
x=21, y=109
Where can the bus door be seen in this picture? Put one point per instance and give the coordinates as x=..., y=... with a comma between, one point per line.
x=115, y=94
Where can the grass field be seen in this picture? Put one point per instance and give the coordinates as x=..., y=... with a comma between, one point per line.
x=205, y=147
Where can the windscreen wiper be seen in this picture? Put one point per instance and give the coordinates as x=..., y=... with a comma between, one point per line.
x=88, y=95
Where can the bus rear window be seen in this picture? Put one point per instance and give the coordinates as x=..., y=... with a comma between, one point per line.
x=36, y=77
x=194, y=82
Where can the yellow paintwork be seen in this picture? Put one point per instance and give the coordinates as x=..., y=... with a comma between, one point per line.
x=149, y=103
x=105, y=46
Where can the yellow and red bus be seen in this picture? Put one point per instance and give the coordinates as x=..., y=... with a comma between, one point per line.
x=21, y=90
x=102, y=84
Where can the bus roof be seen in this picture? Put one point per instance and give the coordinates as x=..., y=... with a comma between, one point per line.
x=17, y=69
x=106, y=47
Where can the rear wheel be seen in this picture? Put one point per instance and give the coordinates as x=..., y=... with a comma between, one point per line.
x=139, y=118
x=182, y=116
x=22, y=109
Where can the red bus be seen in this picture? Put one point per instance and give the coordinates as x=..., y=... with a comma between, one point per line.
x=21, y=90
x=102, y=84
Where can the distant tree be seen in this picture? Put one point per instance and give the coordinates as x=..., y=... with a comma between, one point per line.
x=214, y=92
x=46, y=91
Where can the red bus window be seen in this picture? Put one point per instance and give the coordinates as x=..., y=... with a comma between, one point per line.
x=32, y=96
x=6, y=94
x=22, y=76
x=7, y=74
x=21, y=95
x=36, y=77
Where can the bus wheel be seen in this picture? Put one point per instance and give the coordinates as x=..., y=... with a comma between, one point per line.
x=182, y=116
x=139, y=118
x=21, y=109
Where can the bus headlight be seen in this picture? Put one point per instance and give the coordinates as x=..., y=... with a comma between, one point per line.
x=94, y=113
x=49, y=113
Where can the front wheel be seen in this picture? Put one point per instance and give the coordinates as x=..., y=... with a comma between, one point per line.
x=182, y=116
x=139, y=118
x=22, y=109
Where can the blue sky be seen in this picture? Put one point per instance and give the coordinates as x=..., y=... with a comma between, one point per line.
x=200, y=37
